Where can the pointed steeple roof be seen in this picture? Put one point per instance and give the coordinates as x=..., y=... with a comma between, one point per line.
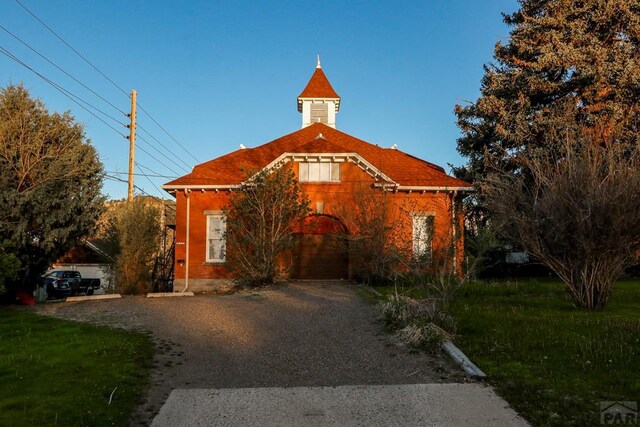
x=318, y=88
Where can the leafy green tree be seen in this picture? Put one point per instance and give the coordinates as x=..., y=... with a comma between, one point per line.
x=260, y=221
x=50, y=182
x=132, y=239
x=9, y=266
x=567, y=63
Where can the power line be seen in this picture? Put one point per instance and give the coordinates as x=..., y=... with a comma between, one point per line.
x=165, y=131
x=149, y=179
x=71, y=47
x=101, y=97
x=162, y=154
x=159, y=174
x=61, y=69
x=104, y=75
x=68, y=93
x=165, y=147
x=152, y=175
x=154, y=157
x=142, y=190
x=79, y=101
x=64, y=91
x=71, y=97
x=115, y=178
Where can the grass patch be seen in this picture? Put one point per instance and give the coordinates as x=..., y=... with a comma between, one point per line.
x=56, y=372
x=552, y=362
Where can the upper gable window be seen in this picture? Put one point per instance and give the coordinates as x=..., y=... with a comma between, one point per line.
x=319, y=172
x=319, y=113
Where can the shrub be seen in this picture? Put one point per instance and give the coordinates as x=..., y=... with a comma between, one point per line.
x=418, y=323
x=133, y=238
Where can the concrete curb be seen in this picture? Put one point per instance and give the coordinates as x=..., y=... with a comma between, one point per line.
x=461, y=359
x=93, y=297
x=169, y=294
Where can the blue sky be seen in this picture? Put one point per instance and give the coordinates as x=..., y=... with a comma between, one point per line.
x=219, y=74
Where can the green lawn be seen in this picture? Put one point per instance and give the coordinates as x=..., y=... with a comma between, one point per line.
x=551, y=362
x=55, y=372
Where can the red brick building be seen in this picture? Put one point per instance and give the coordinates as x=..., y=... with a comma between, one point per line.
x=332, y=167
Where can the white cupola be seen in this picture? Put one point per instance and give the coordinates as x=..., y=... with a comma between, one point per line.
x=318, y=102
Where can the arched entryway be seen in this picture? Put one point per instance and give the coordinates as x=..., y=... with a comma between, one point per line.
x=321, y=251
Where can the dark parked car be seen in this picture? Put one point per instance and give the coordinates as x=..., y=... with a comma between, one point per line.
x=62, y=283
x=88, y=286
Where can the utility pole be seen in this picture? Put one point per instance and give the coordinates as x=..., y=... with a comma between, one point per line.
x=132, y=143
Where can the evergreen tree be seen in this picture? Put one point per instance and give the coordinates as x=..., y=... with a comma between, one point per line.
x=50, y=182
x=568, y=64
x=9, y=266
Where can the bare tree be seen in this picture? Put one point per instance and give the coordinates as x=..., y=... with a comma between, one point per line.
x=372, y=231
x=575, y=206
x=382, y=251
x=261, y=220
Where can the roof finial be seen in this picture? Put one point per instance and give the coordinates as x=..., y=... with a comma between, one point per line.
x=318, y=64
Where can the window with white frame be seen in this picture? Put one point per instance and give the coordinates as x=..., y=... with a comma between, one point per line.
x=319, y=172
x=422, y=234
x=216, y=245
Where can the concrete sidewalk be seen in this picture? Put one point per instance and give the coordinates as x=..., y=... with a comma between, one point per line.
x=371, y=405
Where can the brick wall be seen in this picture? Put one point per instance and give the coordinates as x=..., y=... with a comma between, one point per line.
x=328, y=198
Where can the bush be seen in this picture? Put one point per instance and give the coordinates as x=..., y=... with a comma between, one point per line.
x=9, y=266
x=133, y=238
x=574, y=206
x=418, y=323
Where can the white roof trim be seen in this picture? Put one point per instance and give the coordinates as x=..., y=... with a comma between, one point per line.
x=340, y=157
x=432, y=188
x=199, y=186
x=316, y=99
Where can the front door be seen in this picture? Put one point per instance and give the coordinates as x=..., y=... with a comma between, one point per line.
x=321, y=250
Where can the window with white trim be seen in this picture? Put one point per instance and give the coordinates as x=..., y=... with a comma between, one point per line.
x=319, y=172
x=216, y=245
x=422, y=234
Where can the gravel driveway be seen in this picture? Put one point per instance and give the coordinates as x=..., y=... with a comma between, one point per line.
x=297, y=334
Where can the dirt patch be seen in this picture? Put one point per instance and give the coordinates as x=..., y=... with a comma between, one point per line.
x=298, y=334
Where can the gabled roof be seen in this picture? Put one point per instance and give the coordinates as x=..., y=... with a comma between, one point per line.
x=405, y=170
x=85, y=252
